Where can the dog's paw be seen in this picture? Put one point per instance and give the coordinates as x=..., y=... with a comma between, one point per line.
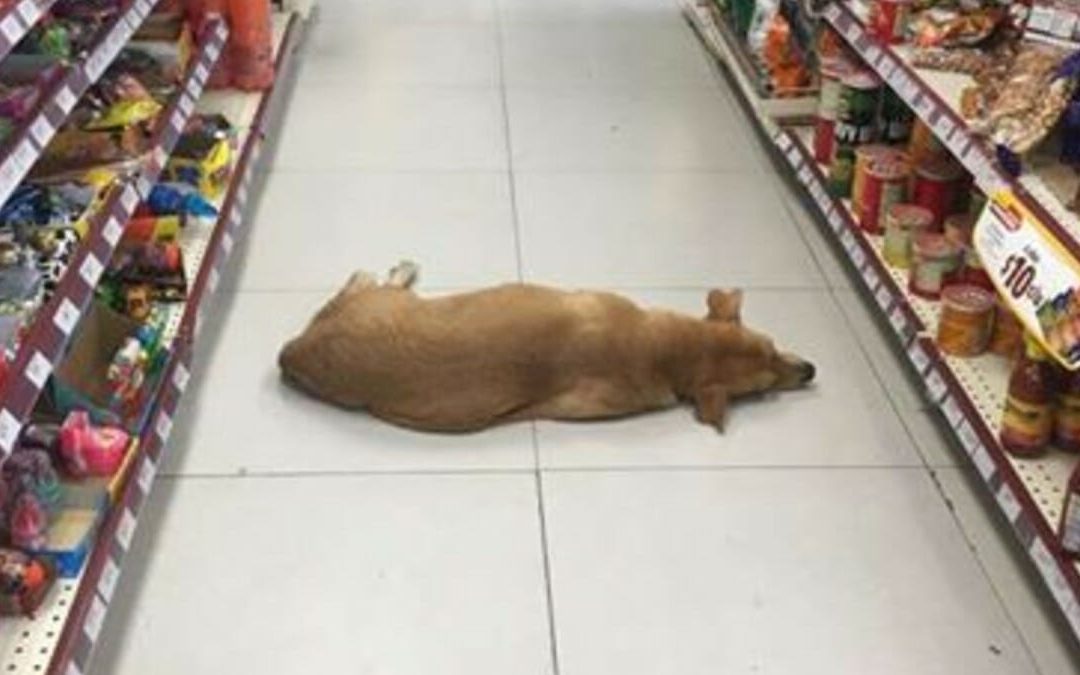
x=711, y=406
x=404, y=274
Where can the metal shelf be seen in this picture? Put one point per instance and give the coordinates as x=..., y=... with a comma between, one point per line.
x=54, y=323
x=61, y=639
x=17, y=19
x=728, y=50
x=968, y=392
x=26, y=143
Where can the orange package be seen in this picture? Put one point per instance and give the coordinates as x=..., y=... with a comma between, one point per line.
x=251, y=44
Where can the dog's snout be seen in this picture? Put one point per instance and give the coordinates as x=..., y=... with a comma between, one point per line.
x=807, y=371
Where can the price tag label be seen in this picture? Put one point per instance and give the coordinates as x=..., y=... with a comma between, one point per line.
x=886, y=67
x=147, y=470
x=898, y=321
x=202, y=73
x=870, y=276
x=858, y=256
x=42, y=130
x=1040, y=19
x=1007, y=501
x=805, y=175
x=226, y=244
x=212, y=280
x=129, y=199
x=72, y=669
x=1034, y=273
x=67, y=315
x=832, y=12
x=125, y=529
x=213, y=51
x=983, y=462
x=935, y=386
x=110, y=575
x=11, y=28
x=871, y=53
x=952, y=411
x=836, y=221
x=95, y=617
x=853, y=32
x=91, y=270
x=783, y=141
x=163, y=426
x=113, y=230
x=180, y=377
x=24, y=157
x=884, y=298
x=9, y=430
x=65, y=100
x=38, y=369
x=924, y=106
x=968, y=438
x=29, y=11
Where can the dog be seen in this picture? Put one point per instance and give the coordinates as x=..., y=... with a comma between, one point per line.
x=465, y=362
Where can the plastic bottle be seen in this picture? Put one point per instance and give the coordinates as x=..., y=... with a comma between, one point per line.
x=1028, y=421
x=251, y=44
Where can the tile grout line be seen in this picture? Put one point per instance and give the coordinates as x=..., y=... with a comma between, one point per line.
x=538, y=480
x=507, y=143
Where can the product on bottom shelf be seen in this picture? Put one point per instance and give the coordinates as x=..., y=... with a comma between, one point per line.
x=1069, y=527
x=24, y=582
x=1027, y=423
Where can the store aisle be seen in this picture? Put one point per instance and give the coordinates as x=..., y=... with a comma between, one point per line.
x=581, y=143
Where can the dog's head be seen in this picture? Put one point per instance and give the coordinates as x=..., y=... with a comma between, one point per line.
x=740, y=361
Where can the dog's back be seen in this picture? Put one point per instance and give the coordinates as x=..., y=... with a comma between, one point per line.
x=465, y=361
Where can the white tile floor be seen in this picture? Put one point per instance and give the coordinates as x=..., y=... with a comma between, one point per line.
x=583, y=142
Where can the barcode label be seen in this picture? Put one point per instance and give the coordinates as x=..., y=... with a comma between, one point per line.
x=38, y=370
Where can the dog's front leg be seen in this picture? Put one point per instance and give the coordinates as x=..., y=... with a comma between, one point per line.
x=711, y=405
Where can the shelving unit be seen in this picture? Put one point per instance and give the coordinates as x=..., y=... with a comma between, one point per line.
x=17, y=19
x=61, y=637
x=969, y=393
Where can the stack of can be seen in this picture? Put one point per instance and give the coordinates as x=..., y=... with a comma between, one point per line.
x=881, y=180
x=857, y=123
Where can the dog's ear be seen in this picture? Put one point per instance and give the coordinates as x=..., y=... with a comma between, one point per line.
x=711, y=405
x=725, y=305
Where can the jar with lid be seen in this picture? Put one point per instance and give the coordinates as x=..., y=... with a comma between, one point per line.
x=1028, y=420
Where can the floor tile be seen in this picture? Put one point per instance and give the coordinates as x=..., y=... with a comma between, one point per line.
x=409, y=575
x=637, y=129
x=658, y=229
x=771, y=571
x=608, y=55
x=238, y=417
x=393, y=128
x=1010, y=571
x=845, y=419
x=407, y=54
x=826, y=255
x=314, y=229
x=353, y=14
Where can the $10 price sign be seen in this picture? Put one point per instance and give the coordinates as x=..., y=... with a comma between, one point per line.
x=1034, y=273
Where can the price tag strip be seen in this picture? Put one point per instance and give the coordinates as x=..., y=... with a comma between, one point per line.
x=1034, y=273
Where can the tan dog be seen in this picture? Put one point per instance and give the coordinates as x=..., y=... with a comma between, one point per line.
x=468, y=361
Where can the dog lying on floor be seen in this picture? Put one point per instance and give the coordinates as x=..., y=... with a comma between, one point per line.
x=465, y=362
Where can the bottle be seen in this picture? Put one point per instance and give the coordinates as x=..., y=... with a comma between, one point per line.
x=1067, y=415
x=1028, y=421
x=251, y=44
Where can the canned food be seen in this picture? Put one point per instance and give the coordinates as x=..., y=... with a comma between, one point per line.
x=865, y=155
x=934, y=259
x=856, y=124
x=884, y=186
x=937, y=186
x=967, y=320
x=889, y=20
x=832, y=70
x=903, y=222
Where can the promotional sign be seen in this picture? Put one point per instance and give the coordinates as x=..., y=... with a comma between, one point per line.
x=1035, y=274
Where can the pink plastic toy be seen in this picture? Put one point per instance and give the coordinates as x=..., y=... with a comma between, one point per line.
x=89, y=450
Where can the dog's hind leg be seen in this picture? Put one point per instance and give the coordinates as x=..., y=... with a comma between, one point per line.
x=403, y=275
